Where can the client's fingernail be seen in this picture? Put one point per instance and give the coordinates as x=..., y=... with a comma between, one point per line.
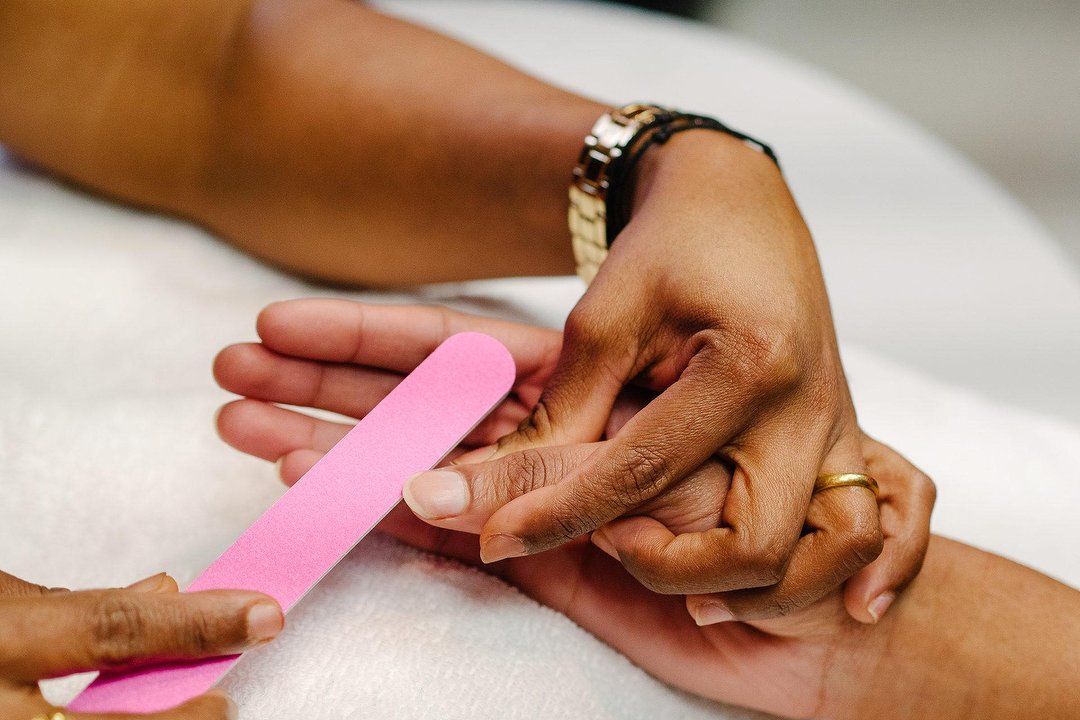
x=880, y=604
x=712, y=613
x=154, y=583
x=500, y=547
x=602, y=541
x=478, y=455
x=264, y=622
x=437, y=494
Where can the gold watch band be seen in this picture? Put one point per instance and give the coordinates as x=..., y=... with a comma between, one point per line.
x=606, y=142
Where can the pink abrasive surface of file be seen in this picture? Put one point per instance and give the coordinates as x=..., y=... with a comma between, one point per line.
x=288, y=549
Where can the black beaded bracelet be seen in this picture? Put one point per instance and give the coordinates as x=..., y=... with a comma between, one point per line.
x=657, y=133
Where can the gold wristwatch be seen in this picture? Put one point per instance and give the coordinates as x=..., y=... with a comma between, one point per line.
x=598, y=204
x=606, y=142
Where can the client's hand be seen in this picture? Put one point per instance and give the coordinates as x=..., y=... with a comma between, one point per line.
x=47, y=633
x=345, y=357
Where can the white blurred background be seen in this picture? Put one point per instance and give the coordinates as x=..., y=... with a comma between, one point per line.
x=997, y=79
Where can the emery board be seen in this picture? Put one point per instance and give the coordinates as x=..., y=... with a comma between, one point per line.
x=291, y=546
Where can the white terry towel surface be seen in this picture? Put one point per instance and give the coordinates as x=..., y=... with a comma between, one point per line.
x=111, y=471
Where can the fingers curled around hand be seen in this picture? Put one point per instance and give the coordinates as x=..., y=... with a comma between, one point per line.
x=874, y=546
x=906, y=503
x=844, y=536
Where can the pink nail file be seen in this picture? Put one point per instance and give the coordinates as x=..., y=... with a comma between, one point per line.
x=339, y=501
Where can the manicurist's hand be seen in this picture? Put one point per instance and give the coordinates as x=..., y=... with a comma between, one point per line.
x=713, y=297
x=47, y=633
x=345, y=357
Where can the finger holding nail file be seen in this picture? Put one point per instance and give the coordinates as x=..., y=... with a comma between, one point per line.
x=300, y=538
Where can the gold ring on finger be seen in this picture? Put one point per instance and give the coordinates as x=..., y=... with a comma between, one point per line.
x=834, y=480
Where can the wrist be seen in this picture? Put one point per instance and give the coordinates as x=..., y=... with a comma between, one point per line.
x=698, y=162
x=954, y=646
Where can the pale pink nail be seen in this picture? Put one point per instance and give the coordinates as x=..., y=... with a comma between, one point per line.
x=712, y=613
x=150, y=584
x=437, y=494
x=880, y=604
x=264, y=622
x=500, y=547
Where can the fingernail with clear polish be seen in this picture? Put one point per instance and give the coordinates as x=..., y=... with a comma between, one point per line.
x=437, y=494
x=154, y=583
x=500, y=547
x=712, y=613
x=880, y=604
x=264, y=622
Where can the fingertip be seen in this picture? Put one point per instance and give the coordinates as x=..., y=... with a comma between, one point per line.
x=224, y=362
x=501, y=547
x=864, y=601
x=477, y=456
x=437, y=494
x=602, y=541
x=156, y=583
x=214, y=704
x=231, y=419
x=270, y=320
x=265, y=620
x=708, y=611
x=636, y=532
x=879, y=605
x=250, y=426
x=294, y=465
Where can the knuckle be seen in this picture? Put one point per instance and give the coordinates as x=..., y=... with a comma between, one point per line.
x=644, y=471
x=534, y=428
x=581, y=326
x=117, y=630
x=827, y=397
x=761, y=358
x=864, y=542
x=525, y=471
x=783, y=604
x=594, y=336
x=764, y=562
x=575, y=516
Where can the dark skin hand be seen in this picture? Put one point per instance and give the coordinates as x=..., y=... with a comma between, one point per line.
x=47, y=633
x=344, y=357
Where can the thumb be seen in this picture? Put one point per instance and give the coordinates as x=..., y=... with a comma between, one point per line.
x=463, y=497
x=594, y=364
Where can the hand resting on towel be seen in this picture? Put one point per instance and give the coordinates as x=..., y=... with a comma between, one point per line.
x=954, y=646
x=344, y=357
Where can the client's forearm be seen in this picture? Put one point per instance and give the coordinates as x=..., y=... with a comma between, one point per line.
x=975, y=636
x=317, y=134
